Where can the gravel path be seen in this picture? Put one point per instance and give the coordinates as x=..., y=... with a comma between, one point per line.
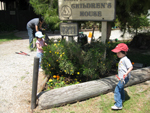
x=16, y=72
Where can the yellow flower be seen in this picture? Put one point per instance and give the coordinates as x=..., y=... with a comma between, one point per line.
x=49, y=65
x=108, y=42
x=50, y=80
x=59, y=41
x=49, y=51
x=78, y=73
x=54, y=44
x=64, y=70
x=57, y=52
x=56, y=60
x=63, y=53
x=54, y=76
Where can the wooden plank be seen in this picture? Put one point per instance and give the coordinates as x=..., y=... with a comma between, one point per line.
x=82, y=91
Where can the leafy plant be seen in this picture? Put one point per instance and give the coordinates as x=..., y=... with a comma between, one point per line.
x=68, y=59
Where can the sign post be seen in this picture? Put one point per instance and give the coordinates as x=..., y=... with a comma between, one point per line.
x=69, y=29
x=88, y=10
x=104, y=35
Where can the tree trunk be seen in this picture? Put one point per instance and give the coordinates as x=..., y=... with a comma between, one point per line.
x=108, y=31
x=82, y=91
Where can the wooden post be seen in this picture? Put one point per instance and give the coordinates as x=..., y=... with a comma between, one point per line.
x=104, y=35
x=34, y=82
x=70, y=38
x=92, y=33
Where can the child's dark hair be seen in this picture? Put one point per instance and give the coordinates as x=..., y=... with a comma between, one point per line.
x=123, y=52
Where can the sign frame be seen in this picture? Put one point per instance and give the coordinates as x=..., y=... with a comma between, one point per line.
x=77, y=30
x=86, y=19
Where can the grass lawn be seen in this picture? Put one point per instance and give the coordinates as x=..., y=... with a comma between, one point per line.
x=7, y=37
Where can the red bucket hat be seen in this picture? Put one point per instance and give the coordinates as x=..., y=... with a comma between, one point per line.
x=120, y=47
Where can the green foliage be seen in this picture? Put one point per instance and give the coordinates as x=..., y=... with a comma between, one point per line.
x=49, y=10
x=63, y=58
x=127, y=12
x=138, y=22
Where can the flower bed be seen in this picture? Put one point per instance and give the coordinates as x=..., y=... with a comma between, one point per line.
x=70, y=63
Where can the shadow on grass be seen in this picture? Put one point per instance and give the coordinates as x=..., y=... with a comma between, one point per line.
x=127, y=97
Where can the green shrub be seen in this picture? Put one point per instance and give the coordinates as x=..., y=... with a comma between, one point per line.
x=72, y=60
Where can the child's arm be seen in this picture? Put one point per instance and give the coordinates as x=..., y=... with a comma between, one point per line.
x=45, y=43
x=38, y=46
x=129, y=70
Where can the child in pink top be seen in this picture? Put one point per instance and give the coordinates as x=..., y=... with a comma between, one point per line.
x=40, y=43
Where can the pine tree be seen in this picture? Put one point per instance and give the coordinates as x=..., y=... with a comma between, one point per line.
x=49, y=10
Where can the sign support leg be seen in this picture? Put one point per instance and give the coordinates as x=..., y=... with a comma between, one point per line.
x=104, y=35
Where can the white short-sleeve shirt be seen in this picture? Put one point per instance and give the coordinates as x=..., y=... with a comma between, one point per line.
x=123, y=65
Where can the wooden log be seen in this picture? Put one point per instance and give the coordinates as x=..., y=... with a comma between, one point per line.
x=82, y=91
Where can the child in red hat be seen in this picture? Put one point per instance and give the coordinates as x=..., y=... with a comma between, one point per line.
x=124, y=69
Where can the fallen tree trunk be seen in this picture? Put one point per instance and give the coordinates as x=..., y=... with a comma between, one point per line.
x=82, y=91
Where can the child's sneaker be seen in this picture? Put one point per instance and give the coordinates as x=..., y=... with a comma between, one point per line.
x=115, y=107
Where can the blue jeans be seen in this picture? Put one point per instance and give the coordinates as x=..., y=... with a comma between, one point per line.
x=119, y=94
x=40, y=55
x=30, y=34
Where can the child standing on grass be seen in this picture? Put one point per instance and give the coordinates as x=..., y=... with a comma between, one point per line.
x=124, y=69
x=40, y=43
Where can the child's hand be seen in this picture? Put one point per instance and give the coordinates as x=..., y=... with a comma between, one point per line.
x=125, y=75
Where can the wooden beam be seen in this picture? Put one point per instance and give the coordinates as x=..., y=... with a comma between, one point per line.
x=82, y=91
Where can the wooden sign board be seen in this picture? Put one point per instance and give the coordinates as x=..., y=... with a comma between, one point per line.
x=87, y=10
x=69, y=29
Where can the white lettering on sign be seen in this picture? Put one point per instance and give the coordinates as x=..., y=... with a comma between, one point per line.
x=69, y=29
